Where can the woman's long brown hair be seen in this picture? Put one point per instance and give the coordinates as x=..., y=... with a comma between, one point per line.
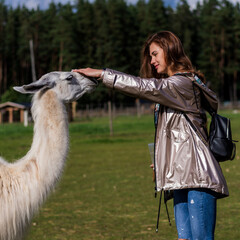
x=175, y=56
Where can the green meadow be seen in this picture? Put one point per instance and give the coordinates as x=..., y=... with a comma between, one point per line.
x=106, y=191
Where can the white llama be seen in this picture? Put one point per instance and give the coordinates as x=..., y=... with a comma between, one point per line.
x=25, y=184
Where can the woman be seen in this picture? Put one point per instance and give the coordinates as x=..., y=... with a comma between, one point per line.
x=183, y=162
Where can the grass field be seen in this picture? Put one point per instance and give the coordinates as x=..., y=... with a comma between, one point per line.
x=106, y=191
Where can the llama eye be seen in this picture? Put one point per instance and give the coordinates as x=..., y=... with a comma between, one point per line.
x=69, y=77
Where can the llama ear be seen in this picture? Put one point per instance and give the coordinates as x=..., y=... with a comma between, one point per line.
x=34, y=87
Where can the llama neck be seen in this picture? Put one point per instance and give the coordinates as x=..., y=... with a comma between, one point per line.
x=26, y=183
x=50, y=141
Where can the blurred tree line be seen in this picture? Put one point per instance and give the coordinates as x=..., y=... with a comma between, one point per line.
x=111, y=33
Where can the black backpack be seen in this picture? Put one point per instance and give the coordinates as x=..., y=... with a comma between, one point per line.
x=220, y=138
x=220, y=134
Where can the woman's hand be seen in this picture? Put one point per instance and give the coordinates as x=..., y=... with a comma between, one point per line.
x=89, y=72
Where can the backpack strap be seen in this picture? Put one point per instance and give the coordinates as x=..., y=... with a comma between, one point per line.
x=196, y=130
x=195, y=80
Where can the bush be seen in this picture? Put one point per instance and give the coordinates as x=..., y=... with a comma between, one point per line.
x=12, y=96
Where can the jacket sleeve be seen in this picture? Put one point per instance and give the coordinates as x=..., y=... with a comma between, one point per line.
x=171, y=92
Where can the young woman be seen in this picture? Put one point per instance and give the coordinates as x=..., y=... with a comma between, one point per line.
x=183, y=161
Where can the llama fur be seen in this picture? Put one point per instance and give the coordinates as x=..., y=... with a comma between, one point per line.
x=25, y=184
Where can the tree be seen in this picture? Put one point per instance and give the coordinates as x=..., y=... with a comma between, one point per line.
x=100, y=35
x=3, y=19
x=116, y=56
x=156, y=17
x=84, y=34
x=23, y=52
x=184, y=23
x=232, y=65
x=111, y=33
x=208, y=35
x=47, y=50
x=225, y=32
x=236, y=53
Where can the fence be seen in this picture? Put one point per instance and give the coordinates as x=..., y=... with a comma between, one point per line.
x=139, y=109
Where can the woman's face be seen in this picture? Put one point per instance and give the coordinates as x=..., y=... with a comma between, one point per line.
x=158, y=58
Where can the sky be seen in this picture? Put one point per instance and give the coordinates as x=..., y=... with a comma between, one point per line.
x=33, y=4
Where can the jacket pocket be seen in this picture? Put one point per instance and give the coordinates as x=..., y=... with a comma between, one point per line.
x=176, y=135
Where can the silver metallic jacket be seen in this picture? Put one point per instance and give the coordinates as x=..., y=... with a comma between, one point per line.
x=182, y=160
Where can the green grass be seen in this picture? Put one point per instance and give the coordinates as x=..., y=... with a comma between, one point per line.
x=106, y=191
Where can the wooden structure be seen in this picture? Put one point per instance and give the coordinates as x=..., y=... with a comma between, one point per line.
x=10, y=112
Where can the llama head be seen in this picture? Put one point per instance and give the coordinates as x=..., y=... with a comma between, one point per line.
x=69, y=86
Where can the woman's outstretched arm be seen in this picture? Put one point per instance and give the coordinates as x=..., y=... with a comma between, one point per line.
x=90, y=72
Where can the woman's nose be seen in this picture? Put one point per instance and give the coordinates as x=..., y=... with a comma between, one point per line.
x=152, y=61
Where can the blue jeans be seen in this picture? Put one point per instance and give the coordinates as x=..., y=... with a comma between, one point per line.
x=195, y=213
